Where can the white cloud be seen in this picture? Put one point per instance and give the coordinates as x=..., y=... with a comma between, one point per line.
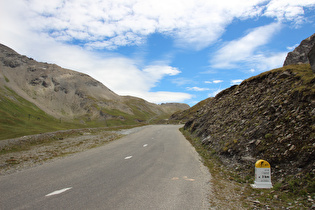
x=124, y=77
x=180, y=81
x=243, y=49
x=112, y=23
x=197, y=88
x=215, y=92
x=245, y=52
x=164, y=96
x=236, y=81
x=214, y=81
x=292, y=47
x=288, y=10
x=217, y=81
x=267, y=61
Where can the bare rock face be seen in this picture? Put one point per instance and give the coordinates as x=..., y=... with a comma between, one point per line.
x=311, y=58
x=300, y=54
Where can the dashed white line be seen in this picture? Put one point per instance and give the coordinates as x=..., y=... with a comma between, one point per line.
x=58, y=191
x=145, y=145
x=126, y=158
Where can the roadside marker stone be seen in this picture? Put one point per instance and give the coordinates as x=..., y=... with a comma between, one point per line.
x=262, y=175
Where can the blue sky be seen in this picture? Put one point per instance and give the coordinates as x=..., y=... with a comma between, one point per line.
x=159, y=50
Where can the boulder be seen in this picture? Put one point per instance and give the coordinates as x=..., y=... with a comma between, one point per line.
x=300, y=54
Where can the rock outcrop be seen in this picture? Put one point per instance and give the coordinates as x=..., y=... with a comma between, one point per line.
x=300, y=54
x=311, y=58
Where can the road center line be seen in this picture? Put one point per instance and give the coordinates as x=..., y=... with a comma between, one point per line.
x=145, y=145
x=126, y=158
x=58, y=191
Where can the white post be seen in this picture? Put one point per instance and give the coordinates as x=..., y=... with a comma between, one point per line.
x=262, y=175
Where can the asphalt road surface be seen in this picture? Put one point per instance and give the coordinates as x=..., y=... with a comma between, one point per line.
x=154, y=168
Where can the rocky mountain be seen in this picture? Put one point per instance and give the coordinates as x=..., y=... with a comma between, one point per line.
x=70, y=95
x=270, y=116
x=300, y=54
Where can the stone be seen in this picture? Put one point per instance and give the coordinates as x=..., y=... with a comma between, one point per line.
x=300, y=54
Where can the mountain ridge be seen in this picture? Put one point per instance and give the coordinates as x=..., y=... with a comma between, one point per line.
x=70, y=95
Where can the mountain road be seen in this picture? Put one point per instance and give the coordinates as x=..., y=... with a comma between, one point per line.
x=153, y=168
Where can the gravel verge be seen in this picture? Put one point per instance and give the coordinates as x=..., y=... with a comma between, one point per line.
x=30, y=151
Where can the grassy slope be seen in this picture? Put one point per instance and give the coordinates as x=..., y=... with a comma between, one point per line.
x=19, y=117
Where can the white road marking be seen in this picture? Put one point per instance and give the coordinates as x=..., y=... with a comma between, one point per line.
x=58, y=191
x=126, y=158
x=186, y=178
x=145, y=145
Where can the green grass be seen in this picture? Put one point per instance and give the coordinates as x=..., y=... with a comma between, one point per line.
x=19, y=117
x=303, y=73
x=144, y=114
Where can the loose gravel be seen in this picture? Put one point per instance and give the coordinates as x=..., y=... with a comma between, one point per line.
x=30, y=151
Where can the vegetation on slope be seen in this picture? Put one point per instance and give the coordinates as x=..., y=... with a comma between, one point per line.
x=19, y=117
x=270, y=116
x=39, y=97
x=184, y=116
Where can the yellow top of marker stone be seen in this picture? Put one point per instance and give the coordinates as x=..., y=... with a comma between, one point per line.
x=262, y=164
